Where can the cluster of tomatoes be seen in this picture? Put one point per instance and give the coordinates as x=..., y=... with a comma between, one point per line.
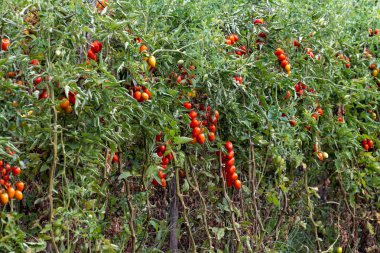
x=7, y=191
x=150, y=59
x=344, y=59
x=375, y=70
x=5, y=43
x=95, y=47
x=165, y=160
x=229, y=166
x=284, y=62
x=141, y=93
x=182, y=77
x=66, y=103
x=320, y=155
x=300, y=89
x=319, y=112
x=371, y=32
x=231, y=39
x=209, y=120
x=367, y=144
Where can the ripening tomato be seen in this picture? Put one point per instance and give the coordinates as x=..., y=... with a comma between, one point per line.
x=144, y=97
x=236, y=38
x=187, y=105
x=64, y=104
x=16, y=171
x=152, y=61
x=232, y=38
x=137, y=95
x=234, y=176
x=211, y=136
x=278, y=51
x=228, y=145
x=163, y=182
x=143, y=48
x=237, y=184
x=231, y=170
x=212, y=128
x=5, y=42
x=320, y=111
x=201, y=138
x=34, y=62
x=194, y=123
x=230, y=162
x=18, y=195
x=230, y=154
x=101, y=4
x=4, y=198
x=370, y=143
x=258, y=21
x=228, y=42
x=320, y=156
x=192, y=114
x=11, y=192
x=284, y=63
x=91, y=55
x=69, y=109
x=196, y=132
x=161, y=174
x=287, y=95
x=292, y=122
x=281, y=57
x=287, y=68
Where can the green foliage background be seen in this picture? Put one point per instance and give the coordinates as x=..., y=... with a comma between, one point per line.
x=290, y=201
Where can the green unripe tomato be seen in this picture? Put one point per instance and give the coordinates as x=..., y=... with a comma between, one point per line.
x=339, y=250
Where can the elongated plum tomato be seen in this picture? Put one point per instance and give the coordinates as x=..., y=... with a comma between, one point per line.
x=201, y=138
x=20, y=186
x=37, y=80
x=18, y=195
x=234, y=176
x=144, y=96
x=5, y=42
x=194, y=123
x=96, y=46
x=211, y=136
x=11, y=192
x=196, y=132
x=4, y=198
x=228, y=145
x=192, y=114
x=237, y=184
x=91, y=55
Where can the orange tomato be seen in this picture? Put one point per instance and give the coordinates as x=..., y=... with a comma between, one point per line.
x=18, y=195
x=20, y=186
x=11, y=192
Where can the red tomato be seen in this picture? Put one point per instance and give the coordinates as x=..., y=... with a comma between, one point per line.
x=231, y=170
x=237, y=184
x=292, y=122
x=370, y=143
x=196, y=132
x=212, y=128
x=201, y=138
x=228, y=145
x=37, y=80
x=187, y=105
x=162, y=148
x=115, y=158
x=230, y=162
x=34, y=62
x=16, y=171
x=192, y=114
x=284, y=63
x=281, y=57
x=163, y=182
x=296, y=43
x=165, y=161
x=91, y=55
x=194, y=123
x=234, y=177
x=137, y=95
x=278, y=51
x=258, y=21
x=96, y=46
x=5, y=42
x=211, y=136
